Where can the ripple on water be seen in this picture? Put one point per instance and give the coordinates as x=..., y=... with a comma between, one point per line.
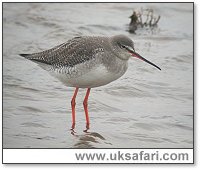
x=103, y=27
x=100, y=106
x=20, y=87
x=179, y=126
x=34, y=136
x=144, y=138
x=31, y=109
x=31, y=124
x=127, y=91
x=147, y=126
x=117, y=120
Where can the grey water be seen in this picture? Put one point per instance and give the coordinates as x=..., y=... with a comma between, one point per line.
x=146, y=108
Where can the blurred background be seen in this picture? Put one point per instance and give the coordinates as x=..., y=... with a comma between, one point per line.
x=145, y=108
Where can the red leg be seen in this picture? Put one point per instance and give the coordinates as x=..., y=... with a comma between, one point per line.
x=85, y=104
x=73, y=103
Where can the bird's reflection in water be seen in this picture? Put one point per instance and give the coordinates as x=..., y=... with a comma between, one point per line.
x=88, y=139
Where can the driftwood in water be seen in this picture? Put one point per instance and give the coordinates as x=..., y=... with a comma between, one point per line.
x=143, y=18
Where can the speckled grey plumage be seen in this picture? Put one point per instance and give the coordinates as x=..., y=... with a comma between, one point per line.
x=80, y=55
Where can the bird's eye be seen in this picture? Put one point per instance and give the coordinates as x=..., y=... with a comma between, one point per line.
x=123, y=46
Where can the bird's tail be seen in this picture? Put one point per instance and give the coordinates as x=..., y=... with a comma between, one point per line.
x=29, y=57
x=24, y=55
x=42, y=63
x=35, y=58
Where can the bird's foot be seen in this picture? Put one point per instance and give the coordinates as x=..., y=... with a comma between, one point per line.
x=72, y=129
x=87, y=127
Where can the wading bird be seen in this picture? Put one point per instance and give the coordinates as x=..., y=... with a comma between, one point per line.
x=87, y=62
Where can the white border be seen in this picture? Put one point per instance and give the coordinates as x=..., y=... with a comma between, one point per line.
x=119, y=155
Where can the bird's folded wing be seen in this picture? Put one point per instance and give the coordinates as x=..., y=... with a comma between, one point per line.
x=67, y=54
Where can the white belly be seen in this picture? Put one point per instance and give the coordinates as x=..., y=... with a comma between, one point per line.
x=98, y=76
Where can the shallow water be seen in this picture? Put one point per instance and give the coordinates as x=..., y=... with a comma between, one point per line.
x=145, y=108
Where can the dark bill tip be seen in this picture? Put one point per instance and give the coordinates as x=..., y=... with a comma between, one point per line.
x=134, y=54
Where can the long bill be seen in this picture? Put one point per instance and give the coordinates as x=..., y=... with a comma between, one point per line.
x=134, y=54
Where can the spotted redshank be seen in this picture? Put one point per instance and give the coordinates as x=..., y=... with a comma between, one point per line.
x=87, y=62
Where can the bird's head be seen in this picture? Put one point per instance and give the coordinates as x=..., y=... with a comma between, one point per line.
x=125, y=49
